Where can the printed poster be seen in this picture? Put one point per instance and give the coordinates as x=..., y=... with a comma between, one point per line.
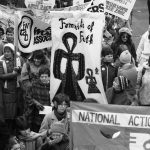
x=120, y=8
x=33, y=34
x=109, y=127
x=75, y=58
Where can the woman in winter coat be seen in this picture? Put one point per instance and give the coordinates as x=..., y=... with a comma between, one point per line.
x=8, y=77
x=59, y=112
x=38, y=96
x=124, y=38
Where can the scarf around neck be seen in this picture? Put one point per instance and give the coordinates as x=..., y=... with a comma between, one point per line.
x=59, y=116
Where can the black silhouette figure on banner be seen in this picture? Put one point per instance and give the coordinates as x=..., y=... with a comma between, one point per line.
x=91, y=81
x=69, y=84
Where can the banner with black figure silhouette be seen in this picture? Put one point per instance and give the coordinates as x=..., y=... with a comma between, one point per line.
x=75, y=58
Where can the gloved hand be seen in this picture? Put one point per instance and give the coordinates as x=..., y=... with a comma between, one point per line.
x=38, y=105
x=17, y=69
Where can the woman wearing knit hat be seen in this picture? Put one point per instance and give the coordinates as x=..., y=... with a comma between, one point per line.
x=125, y=39
x=120, y=92
x=8, y=77
x=127, y=69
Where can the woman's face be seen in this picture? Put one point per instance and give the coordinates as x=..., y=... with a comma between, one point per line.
x=62, y=107
x=8, y=53
x=44, y=78
x=124, y=37
x=25, y=132
x=37, y=62
x=56, y=135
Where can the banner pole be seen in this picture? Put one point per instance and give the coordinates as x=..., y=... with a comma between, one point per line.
x=15, y=38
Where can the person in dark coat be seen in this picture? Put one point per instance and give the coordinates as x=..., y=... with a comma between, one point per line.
x=109, y=72
x=124, y=38
x=38, y=96
x=8, y=77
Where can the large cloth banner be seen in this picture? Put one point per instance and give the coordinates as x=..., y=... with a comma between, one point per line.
x=33, y=34
x=75, y=58
x=109, y=127
x=119, y=8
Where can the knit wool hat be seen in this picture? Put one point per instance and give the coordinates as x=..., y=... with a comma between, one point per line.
x=10, y=45
x=123, y=82
x=125, y=30
x=125, y=57
x=58, y=127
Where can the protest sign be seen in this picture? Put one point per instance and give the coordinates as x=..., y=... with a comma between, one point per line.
x=75, y=58
x=120, y=8
x=77, y=2
x=105, y=127
x=80, y=7
x=39, y=7
x=40, y=4
x=33, y=34
x=97, y=6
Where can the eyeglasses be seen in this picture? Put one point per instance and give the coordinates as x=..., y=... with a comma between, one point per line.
x=63, y=105
x=125, y=36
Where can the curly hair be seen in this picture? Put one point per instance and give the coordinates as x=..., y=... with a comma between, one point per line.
x=60, y=98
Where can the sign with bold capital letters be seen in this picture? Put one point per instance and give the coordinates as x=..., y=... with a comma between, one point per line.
x=105, y=127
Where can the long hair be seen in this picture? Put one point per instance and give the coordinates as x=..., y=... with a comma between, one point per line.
x=40, y=55
x=119, y=40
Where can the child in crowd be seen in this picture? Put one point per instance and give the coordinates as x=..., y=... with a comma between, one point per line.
x=15, y=144
x=61, y=102
x=109, y=72
x=127, y=69
x=57, y=139
x=38, y=96
x=31, y=139
x=122, y=92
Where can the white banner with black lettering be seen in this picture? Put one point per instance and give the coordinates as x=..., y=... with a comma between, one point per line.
x=75, y=58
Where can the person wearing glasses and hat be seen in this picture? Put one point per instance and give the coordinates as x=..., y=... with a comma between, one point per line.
x=124, y=38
